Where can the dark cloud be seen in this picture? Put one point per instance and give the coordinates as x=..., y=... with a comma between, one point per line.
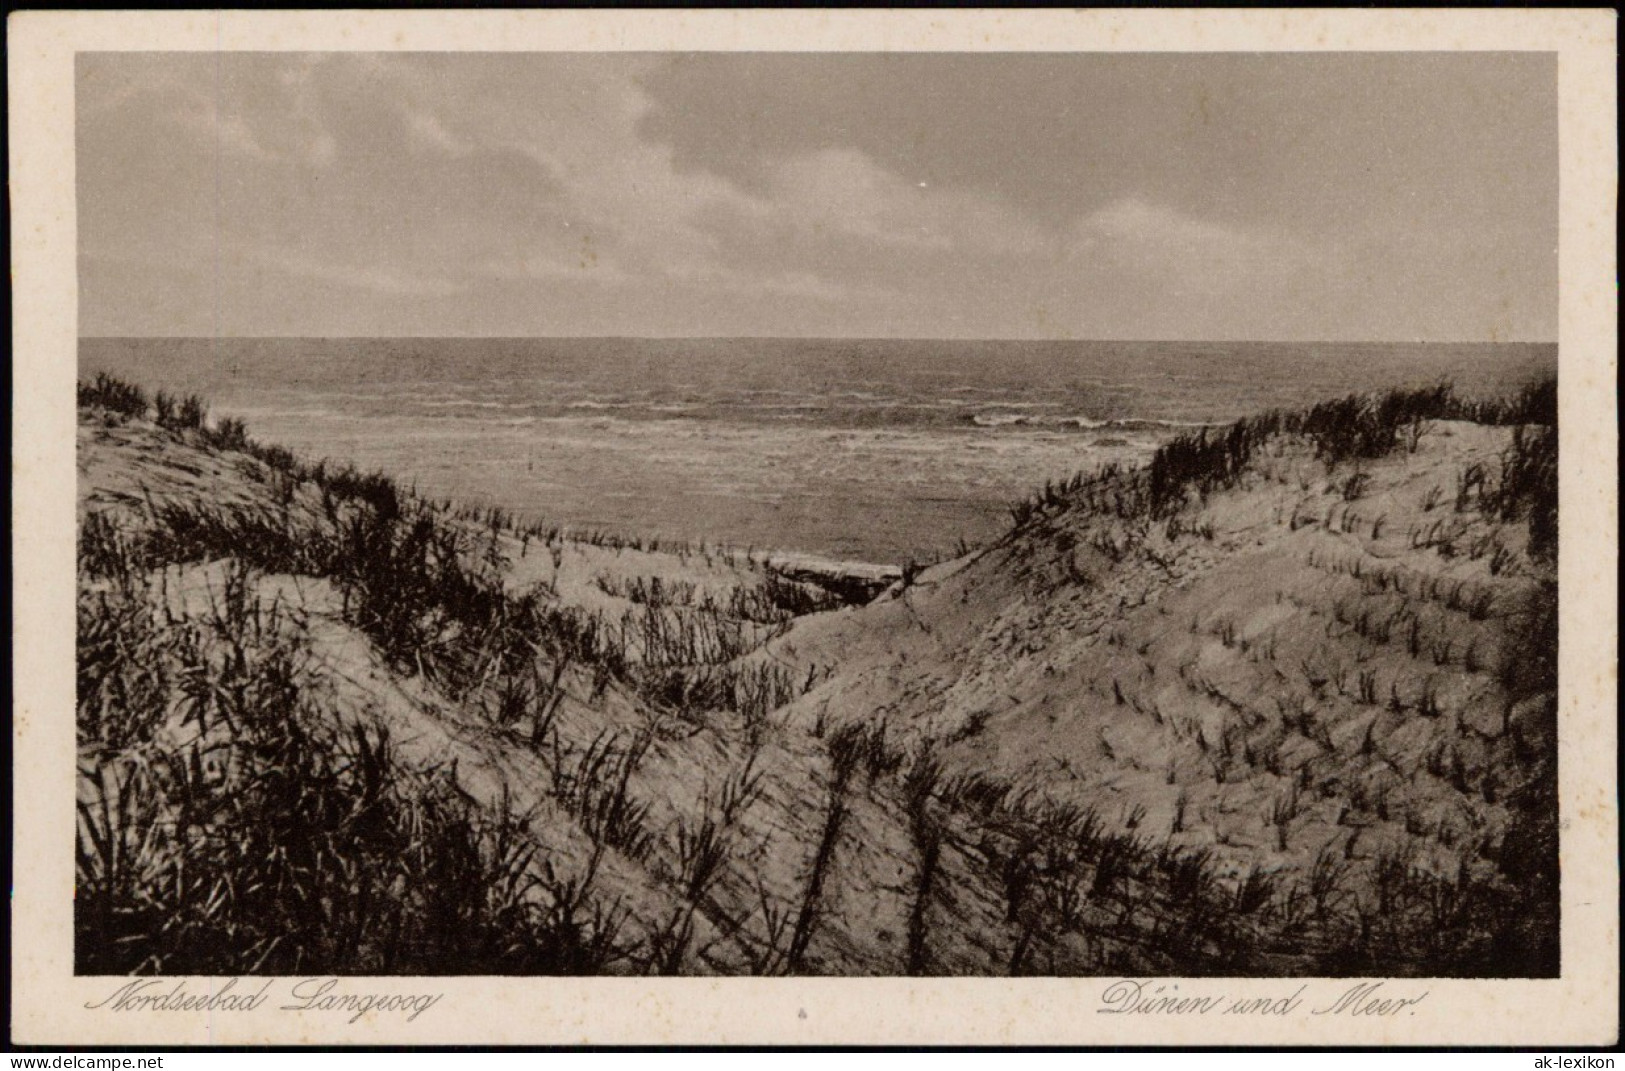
x=1174, y=196
x=1300, y=137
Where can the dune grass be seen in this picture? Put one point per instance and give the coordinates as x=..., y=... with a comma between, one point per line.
x=1357, y=427
x=210, y=770
x=228, y=824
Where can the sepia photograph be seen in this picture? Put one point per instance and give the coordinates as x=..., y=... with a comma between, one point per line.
x=774, y=513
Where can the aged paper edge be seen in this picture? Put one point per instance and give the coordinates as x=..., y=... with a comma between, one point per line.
x=49, y=1002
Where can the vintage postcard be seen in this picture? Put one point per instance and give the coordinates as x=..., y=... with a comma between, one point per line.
x=805, y=527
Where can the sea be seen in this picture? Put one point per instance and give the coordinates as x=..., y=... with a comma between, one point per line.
x=870, y=450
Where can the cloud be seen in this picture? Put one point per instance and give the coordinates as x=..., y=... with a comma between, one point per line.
x=1162, y=236
x=363, y=277
x=834, y=226
x=645, y=194
x=430, y=132
x=843, y=191
x=1136, y=263
x=782, y=283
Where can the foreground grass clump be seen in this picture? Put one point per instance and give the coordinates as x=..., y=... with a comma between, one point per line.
x=119, y=399
x=424, y=589
x=1358, y=427
x=113, y=395
x=1130, y=903
x=228, y=823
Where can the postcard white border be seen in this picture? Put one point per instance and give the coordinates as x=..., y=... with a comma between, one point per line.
x=49, y=1002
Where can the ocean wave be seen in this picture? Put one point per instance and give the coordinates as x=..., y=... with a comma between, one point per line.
x=252, y=413
x=1080, y=422
x=829, y=410
x=465, y=403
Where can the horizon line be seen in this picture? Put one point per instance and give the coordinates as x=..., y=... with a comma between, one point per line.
x=840, y=338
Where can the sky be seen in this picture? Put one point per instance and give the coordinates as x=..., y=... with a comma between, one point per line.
x=1396, y=197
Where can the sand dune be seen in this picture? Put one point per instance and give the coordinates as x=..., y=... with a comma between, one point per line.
x=1287, y=709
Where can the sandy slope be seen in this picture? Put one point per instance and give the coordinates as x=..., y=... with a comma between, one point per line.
x=1282, y=675
x=1167, y=676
